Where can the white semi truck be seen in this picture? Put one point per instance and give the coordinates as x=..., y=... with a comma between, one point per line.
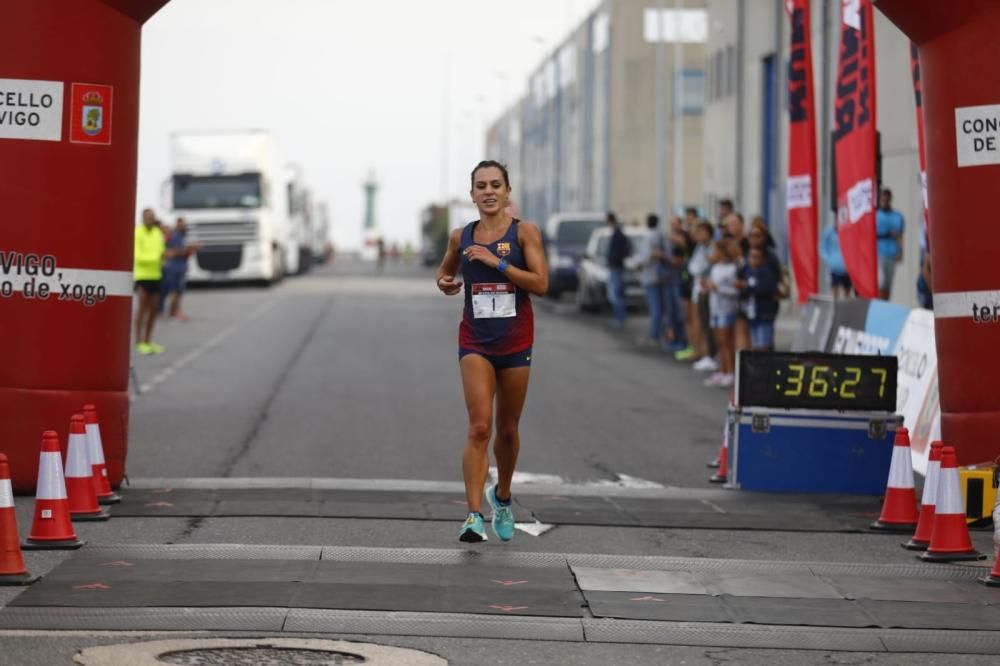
x=231, y=189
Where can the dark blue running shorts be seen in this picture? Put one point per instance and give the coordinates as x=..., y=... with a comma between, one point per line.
x=521, y=359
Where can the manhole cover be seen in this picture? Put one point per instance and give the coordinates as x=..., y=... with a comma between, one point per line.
x=261, y=655
x=259, y=651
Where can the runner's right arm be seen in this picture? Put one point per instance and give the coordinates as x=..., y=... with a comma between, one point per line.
x=445, y=276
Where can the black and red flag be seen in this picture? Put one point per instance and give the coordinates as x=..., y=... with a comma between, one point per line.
x=855, y=140
x=800, y=195
x=918, y=95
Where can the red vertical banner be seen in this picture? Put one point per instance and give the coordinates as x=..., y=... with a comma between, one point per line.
x=854, y=141
x=800, y=195
x=918, y=98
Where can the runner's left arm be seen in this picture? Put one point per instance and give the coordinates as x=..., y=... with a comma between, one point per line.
x=535, y=278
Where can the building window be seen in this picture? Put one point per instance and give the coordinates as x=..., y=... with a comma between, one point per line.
x=567, y=65
x=731, y=73
x=720, y=75
x=600, y=33
x=689, y=95
x=709, y=80
x=675, y=25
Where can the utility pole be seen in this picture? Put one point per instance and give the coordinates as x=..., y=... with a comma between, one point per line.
x=678, y=99
x=659, y=142
x=446, y=130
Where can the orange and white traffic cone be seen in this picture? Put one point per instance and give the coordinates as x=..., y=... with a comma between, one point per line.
x=899, y=510
x=12, y=569
x=925, y=525
x=718, y=461
x=51, y=528
x=80, y=488
x=950, y=540
x=95, y=451
x=721, y=475
x=993, y=579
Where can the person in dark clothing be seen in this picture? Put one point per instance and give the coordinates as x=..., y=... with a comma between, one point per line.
x=759, y=287
x=618, y=250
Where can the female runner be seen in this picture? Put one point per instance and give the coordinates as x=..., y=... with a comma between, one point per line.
x=502, y=261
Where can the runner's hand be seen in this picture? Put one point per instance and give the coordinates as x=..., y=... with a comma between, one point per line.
x=449, y=285
x=481, y=254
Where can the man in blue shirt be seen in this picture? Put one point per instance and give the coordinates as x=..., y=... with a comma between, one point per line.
x=889, y=230
x=829, y=249
x=175, y=270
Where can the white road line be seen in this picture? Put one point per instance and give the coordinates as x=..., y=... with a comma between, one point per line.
x=420, y=485
x=535, y=529
x=531, y=478
x=201, y=350
x=715, y=507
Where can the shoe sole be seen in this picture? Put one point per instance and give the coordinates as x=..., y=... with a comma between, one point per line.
x=471, y=536
x=489, y=500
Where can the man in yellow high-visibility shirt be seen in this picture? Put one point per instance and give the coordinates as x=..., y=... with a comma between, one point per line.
x=150, y=248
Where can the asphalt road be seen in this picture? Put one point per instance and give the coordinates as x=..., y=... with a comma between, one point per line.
x=357, y=376
x=345, y=373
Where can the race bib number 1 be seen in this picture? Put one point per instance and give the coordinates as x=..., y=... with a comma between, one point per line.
x=490, y=301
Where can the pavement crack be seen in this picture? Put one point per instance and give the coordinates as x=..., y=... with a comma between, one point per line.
x=716, y=657
x=588, y=611
x=277, y=388
x=598, y=466
x=192, y=525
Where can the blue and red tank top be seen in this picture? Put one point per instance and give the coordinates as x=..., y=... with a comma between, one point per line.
x=498, y=319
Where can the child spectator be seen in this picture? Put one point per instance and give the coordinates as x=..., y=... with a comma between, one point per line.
x=699, y=267
x=759, y=286
x=683, y=245
x=723, y=303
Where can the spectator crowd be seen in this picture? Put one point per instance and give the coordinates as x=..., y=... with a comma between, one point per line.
x=714, y=289
x=711, y=289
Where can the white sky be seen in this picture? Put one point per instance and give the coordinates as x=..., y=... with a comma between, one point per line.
x=348, y=87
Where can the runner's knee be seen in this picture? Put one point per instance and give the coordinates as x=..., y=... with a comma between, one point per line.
x=506, y=431
x=479, y=432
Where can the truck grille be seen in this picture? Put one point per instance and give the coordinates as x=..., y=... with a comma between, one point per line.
x=222, y=232
x=220, y=258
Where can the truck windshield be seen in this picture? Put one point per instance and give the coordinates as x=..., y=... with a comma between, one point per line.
x=242, y=191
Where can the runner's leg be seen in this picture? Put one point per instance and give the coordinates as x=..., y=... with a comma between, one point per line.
x=479, y=383
x=152, y=304
x=140, y=311
x=512, y=388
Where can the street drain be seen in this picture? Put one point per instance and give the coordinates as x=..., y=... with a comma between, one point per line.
x=259, y=651
x=260, y=655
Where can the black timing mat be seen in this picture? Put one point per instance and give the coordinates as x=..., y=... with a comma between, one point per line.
x=113, y=579
x=792, y=612
x=741, y=510
x=83, y=581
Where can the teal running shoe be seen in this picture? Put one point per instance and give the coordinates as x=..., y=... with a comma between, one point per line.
x=473, y=530
x=503, y=515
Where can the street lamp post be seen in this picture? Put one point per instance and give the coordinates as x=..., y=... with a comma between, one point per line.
x=660, y=138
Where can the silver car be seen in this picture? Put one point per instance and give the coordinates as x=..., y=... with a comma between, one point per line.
x=592, y=273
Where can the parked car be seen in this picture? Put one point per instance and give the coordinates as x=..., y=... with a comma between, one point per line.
x=566, y=236
x=592, y=275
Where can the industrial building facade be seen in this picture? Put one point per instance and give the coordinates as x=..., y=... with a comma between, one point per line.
x=746, y=121
x=584, y=137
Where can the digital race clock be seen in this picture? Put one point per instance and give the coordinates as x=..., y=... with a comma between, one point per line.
x=816, y=381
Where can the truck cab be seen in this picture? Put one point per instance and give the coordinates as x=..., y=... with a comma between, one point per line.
x=228, y=187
